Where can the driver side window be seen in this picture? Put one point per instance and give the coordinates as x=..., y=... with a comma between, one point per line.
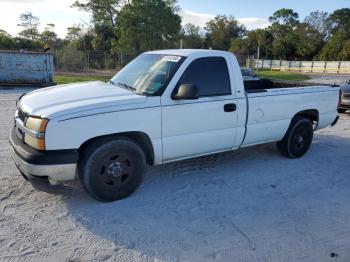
x=209, y=74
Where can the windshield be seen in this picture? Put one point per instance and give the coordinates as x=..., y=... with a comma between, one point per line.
x=148, y=73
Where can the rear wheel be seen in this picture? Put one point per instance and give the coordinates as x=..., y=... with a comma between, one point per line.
x=298, y=138
x=340, y=110
x=112, y=169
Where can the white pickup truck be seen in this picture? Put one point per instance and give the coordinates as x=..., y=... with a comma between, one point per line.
x=163, y=106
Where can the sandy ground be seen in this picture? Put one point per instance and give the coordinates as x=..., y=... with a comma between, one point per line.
x=328, y=79
x=248, y=205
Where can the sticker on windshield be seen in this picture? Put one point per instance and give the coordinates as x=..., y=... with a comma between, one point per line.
x=171, y=58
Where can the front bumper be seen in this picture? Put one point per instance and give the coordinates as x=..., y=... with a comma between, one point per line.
x=59, y=165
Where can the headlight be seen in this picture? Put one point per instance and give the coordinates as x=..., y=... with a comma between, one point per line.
x=38, y=126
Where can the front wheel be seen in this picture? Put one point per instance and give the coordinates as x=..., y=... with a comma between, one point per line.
x=298, y=138
x=111, y=169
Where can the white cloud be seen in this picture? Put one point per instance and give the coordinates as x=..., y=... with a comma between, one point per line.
x=24, y=1
x=201, y=19
x=254, y=22
x=189, y=17
x=62, y=15
x=49, y=11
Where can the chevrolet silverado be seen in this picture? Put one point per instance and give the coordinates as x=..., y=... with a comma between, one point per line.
x=163, y=106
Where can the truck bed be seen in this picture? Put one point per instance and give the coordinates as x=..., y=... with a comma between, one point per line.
x=262, y=85
x=271, y=110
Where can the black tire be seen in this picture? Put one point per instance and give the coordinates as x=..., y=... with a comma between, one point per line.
x=112, y=169
x=340, y=110
x=298, y=138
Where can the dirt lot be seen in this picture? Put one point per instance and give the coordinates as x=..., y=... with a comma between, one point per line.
x=248, y=205
x=328, y=79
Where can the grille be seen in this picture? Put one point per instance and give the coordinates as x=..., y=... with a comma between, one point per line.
x=21, y=114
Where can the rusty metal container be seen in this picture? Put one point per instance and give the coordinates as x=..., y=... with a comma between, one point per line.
x=26, y=68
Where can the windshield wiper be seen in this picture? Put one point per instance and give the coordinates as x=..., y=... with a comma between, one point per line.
x=126, y=86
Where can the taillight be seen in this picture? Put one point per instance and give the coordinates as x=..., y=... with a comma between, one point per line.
x=340, y=95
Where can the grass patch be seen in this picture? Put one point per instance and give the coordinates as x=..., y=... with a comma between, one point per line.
x=63, y=79
x=282, y=75
x=67, y=79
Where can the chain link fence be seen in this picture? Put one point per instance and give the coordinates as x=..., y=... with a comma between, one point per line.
x=70, y=61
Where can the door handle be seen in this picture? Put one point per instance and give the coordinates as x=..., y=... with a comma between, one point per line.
x=230, y=107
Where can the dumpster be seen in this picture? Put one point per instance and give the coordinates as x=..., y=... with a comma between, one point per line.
x=26, y=68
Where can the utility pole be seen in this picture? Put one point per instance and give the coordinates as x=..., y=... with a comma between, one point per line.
x=85, y=55
x=181, y=43
x=257, y=61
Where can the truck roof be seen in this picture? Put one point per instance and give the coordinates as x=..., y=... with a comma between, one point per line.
x=187, y=52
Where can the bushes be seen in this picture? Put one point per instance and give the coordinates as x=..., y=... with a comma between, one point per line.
x=69, y=58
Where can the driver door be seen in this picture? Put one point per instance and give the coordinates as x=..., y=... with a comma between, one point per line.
x=204, y=125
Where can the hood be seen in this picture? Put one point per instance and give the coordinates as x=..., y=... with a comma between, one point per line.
x=72, y=98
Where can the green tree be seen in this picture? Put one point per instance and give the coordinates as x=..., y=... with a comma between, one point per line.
x=221, y=30
x=104, y=18
x=4, y=33
x=49, y=37
x=6, y=41
x=309, y=41
x=85, y=42
x=103, y=11
x=284, y=41
x=30, y=24
x=285, y=17
x=103, y=36
x=74, y=33
x=340, y=20
x=284, y=23
x=319, y=21
x=240, y=47
x=146, y=25
x=344, y=54
x=191, y=36
x=70, y=58
x=27, y=44
x=247, y=46
x=337, y=46
x=260, y=38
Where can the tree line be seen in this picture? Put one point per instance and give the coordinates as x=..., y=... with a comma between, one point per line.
x=135, y=26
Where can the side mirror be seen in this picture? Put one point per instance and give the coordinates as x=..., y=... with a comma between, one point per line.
x=186, y=91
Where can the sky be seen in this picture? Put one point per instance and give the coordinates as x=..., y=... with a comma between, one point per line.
x=252, y=13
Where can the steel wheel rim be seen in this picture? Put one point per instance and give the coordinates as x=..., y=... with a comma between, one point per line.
x=115, y=170
x=299, y=139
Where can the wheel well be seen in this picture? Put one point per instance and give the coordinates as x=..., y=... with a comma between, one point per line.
x=311, y=114
x=140, y=138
